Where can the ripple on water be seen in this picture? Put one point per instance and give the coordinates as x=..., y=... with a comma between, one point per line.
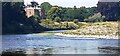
x=57, y=44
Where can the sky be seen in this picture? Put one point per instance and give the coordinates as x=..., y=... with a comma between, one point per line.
x=67, y=3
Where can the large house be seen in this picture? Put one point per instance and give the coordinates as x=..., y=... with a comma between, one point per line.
x=34, y=9
x=109, y=8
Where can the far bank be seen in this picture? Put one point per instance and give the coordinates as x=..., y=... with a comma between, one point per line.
x=102, y=30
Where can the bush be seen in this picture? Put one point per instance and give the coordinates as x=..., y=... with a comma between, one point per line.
x=75, y=20
x=35, y=18
x=47, y=23
x=95, y=18
x=58, y=19
x=72, y=25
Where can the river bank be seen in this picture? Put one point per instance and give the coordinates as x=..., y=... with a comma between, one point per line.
x=105, y=30
x=87, y=36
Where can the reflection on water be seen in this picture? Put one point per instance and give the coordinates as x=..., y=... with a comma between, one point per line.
x=50, y=44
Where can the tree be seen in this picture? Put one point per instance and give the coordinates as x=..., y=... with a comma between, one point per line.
x=53, y=13
x=58, y=19
x=14, y=18
x=15, y=21
x=77, y=13
x=69, y=14
x=47, y=23
x=95, y=18
x=46, y=6
x=35, y=18
x=75, y=7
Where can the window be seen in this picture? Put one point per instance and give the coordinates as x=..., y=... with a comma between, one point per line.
x=29, y=12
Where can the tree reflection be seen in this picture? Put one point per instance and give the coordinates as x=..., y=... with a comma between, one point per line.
x=32, y=52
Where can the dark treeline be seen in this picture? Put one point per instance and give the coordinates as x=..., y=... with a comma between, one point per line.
x=109, y=12
x=15, y=21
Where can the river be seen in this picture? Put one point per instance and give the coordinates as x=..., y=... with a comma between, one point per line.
x=48, y=43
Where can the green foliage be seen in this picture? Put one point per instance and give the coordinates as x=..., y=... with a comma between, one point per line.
x=72, y=25
x=13, y=17
x=78, y=13
x=75, y=20
x=47, y=21
x=53, y=13
x=46, y=6
x=50, y=24
x=15, y=21
x=58, y=19
x=35, y=18
x=95, y=18
x=98, y=28
x=67, y=14
x=80, y=24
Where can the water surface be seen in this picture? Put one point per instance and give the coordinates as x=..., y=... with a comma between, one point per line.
x=51, y=44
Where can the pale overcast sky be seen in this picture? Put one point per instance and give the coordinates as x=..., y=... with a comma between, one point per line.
x=67, y=3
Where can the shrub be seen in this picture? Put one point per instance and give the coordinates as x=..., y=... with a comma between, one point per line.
x=95, y=18
x=57, y=19
x=75, y=20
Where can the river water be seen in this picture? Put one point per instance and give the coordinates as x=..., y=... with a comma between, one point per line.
x=50, y=44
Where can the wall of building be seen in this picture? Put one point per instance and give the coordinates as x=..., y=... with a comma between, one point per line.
x=29, y=12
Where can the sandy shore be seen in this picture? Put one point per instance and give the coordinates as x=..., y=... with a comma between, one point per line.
x=88, y=36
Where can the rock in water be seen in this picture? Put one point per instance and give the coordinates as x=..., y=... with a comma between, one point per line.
x=109, y=48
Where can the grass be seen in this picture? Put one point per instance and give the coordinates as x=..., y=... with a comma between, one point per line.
x=59, y=25
x=46, y=33
x=98, y=28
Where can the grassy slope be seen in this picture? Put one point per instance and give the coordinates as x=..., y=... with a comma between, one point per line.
x=61, y=25
x=98, y=28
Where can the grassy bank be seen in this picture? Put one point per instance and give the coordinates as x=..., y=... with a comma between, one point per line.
x=50, y=24
x=96, y=29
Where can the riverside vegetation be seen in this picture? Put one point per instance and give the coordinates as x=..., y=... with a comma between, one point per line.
x=103, y=29
x=84, y=22
x=15, y=21
x=57, y=18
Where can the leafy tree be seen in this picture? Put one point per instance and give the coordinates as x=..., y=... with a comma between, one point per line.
x=46, y=6
x=95, y=18
x=33, y=22
x=69, y=14
x=54, y=12
x=47, y=23
x=14, y=18
x=75, y=7
x=58, y=19
x=63, y=14
x=92, y=10
x=15, y=21
x=35, y=18
x=78, y=13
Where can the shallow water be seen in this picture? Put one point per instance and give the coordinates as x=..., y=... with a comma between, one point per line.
x=52, y=44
